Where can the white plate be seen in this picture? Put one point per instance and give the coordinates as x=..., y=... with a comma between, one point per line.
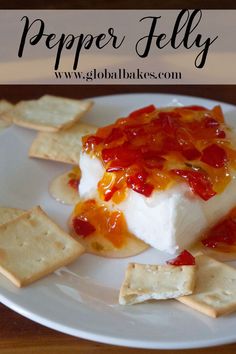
x=82, y=299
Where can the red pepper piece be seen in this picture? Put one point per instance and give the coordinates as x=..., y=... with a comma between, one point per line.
x=167, y=121
x=141, y=188
x=223, y=232
x=92, y=141
x=122, y=153
x=185, y=258
x=141, y=111
x=170, y=144
x=211, y=123
x=73, y=183
x=82, y=227
x=153, y=159
x=132, y=131
x=138, y=184
x=198, y=182
x=220, y=134
x=115, y=134
x=191, y=154
x=118, y=165
x=184, y=138
x=141, y=176
x=214, y=156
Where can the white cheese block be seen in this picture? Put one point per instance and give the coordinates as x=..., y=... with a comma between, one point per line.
x=169, y=220
x=92, y=171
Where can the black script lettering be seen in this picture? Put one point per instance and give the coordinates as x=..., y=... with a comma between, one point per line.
x=192, y=21
x=34, y=39
x=147, y=38
x=68, y=42
x=182, y=35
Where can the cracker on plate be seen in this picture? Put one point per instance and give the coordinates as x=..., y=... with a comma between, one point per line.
x=64, y=146
x=215, y=292
x=145, y=282
x=8, y=214
x=48, y=113
x=4, y=107
x=32, y=246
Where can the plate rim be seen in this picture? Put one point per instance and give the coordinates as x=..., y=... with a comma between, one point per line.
x=112, y=340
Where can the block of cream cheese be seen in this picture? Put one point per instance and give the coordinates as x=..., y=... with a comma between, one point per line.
x=169, y=220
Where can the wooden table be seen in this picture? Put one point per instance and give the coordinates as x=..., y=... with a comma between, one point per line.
x=19, y=335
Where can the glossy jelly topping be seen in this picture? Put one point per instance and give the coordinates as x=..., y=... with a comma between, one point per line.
x=90, y=217
x=152, y=149
x=103, y=232
x=74, y=178
x=222, y=236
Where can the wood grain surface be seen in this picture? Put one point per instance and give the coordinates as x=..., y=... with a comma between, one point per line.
x=19, y=335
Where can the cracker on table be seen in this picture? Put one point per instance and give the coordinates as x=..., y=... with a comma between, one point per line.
x=64, y=146
x=215, y=292
x=48, y=113
x=32, y=246
x=145, y=282
x=8, y=214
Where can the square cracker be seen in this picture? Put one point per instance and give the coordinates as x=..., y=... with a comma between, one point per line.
x=64, y=146
x=4, y=107
x=8, y=214
x=32, y=246
x=48, y=113
x=145, y=282
x=215, y=292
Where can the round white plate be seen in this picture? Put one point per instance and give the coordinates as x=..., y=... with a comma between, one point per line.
x=82, y=299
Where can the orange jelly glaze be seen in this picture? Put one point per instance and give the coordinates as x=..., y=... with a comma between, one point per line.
x=222, y=236
x=110, y=224
x=152, y=150
x=141, y=152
